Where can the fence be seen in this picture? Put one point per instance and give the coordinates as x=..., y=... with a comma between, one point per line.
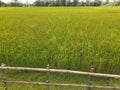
x=4, y=80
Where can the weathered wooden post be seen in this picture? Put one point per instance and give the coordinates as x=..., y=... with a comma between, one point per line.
x=90, y=78
x=4, y=76
x=47, y=77
x=114, y=88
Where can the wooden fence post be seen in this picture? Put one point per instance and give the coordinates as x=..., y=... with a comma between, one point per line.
x=90, y=78
x=114, y=88
x=4, y=76
x=47, y=77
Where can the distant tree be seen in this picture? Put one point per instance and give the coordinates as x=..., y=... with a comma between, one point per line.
x=92, y=3
x=46, y=2
x=16, y=3
x=107, y=1
x=2, y=3
x=75, y=2
x=88, y=2
x=97, y=3
x=117, y=3
x=38, y=3
x=63, y=2
x=68, y=3
x=51, y=3
x=58, y=3
x=81, y=3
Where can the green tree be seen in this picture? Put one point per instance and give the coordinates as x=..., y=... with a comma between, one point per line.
x=15, y=3
x=46, y=3
x=88, y=2
x=117, y=3
x=37, y=3
x=58, y=3
x=2, y=3
x=63, y=2
x=107, y=1
x=75, y=2
x=68, y=3
x=97, y=3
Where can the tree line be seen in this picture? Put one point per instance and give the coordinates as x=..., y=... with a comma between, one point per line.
x=74, y=3
x=67, y=3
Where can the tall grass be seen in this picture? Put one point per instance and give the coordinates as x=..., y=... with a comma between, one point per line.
x=69, y=38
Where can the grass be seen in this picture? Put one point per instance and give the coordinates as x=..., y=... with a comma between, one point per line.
x=67, y=38
x=55, y=78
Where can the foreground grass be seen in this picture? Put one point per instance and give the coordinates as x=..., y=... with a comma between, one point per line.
x=55, y=78
x=69, y=38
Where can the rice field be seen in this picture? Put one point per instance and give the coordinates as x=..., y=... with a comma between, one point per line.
x=64, y=37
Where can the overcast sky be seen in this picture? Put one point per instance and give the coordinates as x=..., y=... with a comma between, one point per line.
x=30, y=1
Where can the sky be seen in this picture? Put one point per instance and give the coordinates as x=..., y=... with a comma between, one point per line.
x=30, y=1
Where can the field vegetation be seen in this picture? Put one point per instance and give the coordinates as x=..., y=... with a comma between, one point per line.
x=66, y=38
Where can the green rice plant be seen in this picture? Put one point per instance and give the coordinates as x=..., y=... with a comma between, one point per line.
x=65, y=37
